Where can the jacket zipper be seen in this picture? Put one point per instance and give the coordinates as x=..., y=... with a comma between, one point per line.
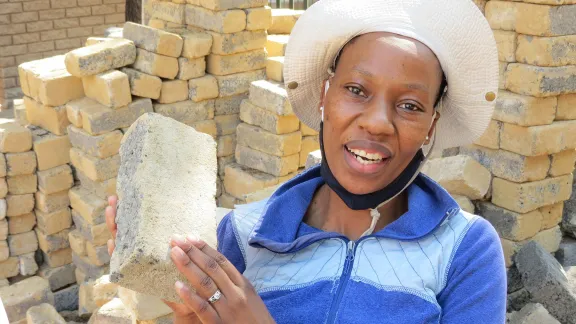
x=346, y=273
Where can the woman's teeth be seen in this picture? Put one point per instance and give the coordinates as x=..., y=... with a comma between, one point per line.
x=366, y=158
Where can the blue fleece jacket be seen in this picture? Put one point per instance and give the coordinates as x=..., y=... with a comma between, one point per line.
x=434, y=264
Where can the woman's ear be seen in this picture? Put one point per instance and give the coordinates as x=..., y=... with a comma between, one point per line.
x=432, y=128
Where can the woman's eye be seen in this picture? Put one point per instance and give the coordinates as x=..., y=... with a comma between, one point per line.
x=409, y=106
x=355, y=90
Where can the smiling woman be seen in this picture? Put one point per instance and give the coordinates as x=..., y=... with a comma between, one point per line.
x=364, y=237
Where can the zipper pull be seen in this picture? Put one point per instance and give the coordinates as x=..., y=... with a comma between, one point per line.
x=350, y=253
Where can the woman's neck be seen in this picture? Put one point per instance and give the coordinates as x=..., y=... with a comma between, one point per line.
x=329, y=213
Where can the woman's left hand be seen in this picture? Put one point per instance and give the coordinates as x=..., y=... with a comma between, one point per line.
x=207, y=272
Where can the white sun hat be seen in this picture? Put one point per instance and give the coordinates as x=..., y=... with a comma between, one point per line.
x=455, y=30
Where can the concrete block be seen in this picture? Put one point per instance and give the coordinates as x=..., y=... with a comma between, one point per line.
x=100, y=57
x=562, y=163
x=309, y=144
x=276, y=44
x=98, y=119
x=58, y=277
x=228, y=105
x=203, y=88
x=100, y=189
x=228, y=21
x=113, y=312
x=104, y=290
x=153, y=40
x=111, y=88
x=156, y=64
x=20, y=163
x=97, y=234
x=28, y=266
x=510, y=225
x=238, y=83
x=283, y=21
x=91, y=271
x=533, y=313
x=44, y=314
x=546, y=281
x=156, y=138
x=21, y=296
x=22, y=243
x=236, y=63
x=56, y=179
x=566, y=253
x=142, y=84
x=9, y=268
x=21, y=224
x=259, y=139
x=66, y=299
x=14, y=138
x=187, y=112
x=144, y=307
x=53, y=242
x=539, y=140
x=49, y=203
x=51, y=150
x=243, y=41
x=58, y=258
x=173, y=91
x=100, y=146
x=51, y=118
x=460, y=175
x=77, y=242
x=539, y=81
x=94, y=168
x=22, y=184
x=274, y=165
x=271, y=96
x=314, y=158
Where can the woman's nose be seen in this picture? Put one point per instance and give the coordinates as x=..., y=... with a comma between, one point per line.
x=377, y=118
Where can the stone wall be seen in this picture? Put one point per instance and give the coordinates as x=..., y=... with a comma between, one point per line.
x=36, y=29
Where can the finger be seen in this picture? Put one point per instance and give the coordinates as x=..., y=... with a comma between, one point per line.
x=113, y=201
x=220, y=259
x=200, y=281
x=183, y=312
x=110, y=244
x=110, y=213
x=201, y=307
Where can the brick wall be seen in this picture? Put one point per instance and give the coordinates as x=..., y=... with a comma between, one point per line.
x=36, y=29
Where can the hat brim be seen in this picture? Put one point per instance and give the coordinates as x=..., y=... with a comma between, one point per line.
x=456, y=31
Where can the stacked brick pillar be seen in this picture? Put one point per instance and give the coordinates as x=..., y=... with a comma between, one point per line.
x=32, y=30
x=529, y=146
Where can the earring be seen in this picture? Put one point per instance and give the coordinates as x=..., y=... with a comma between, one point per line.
x=427, y=137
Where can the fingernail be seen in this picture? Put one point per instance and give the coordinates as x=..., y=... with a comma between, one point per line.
x=193, y=239
x=178, y=239
x=179, y=285
x=178, y=254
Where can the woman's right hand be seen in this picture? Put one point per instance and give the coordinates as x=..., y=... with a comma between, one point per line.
x=110, y=214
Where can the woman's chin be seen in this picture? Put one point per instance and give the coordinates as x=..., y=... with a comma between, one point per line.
x=362, y=167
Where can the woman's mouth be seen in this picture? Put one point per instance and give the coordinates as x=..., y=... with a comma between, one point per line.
x=365, y=161
x=364, y=157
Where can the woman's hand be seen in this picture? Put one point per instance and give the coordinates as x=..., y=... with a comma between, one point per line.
x=209, y=272
x=110, y=214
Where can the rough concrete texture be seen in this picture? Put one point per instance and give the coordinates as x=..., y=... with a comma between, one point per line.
x=511, y=225
x=183, y=162
x=90, y=271
x=191, y=68
x=100, y=146
x=111, y=88
x=461, y=175
x=49, y=203
x=153, y=40
x=99, y=119
x=44, y=314
x=19, y=297
x=533, y=314
x=58, y=277
x=228, y=21
x=28, y=266
x=259, y=139
x=243, y=41
x=236, y=63
x=546, y=281
x=238, y=83
x=143, y=307
x=66, y=299
x=228, y=105
x=100, y=57
x=566, y=254
x=271, y=96
x=55, y=180
x=58, y=258
x=104, y=290
x=275, y=165
x=53, y=242
x=517, y=300
x=187, y=112
x=114, y=312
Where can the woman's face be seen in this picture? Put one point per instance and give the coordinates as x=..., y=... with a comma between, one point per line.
x=379, y=108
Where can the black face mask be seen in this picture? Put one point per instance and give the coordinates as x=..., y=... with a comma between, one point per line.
x=369, y=200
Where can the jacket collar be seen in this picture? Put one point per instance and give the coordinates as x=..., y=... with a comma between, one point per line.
x=277, y=229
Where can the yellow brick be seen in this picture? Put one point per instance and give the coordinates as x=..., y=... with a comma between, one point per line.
x=153, y=40
x=21, y=224
x=98, y=119
x=173, y=91
x=544, y=20
x=206, y=127
x=540, y=81
x=52, y=202
x=142, y=84
x=224, y=44
x=226, y=124
x=546, y=51
x=274, y=165
x=271, y=96
x=283, y=21
x=240, y=180
x=562, y=163
x=187, y=112
x=51, y=150
x=235, y=63
x=491, y=137
x=155, y=64
x=19, y=204
x=549, y=239
x=525, y=197
x=14, y=164
x=157, y=23
x=78, y=12
x=538, y=140
x=228, y=105
x=100, y=57
x=226, y=145
x=53, y=119
x=55, y=88
x=239, y=83
x=307, y=131
x=58, y=258
x=551, y=215
x=219, y=5
x=509, y=248
x=77, y=242
x=511, y=225
x=275, y=68
x=225, y=201
x=196, y=44
x=506, y=43
x=566, y=104
x=54, y=222
x=524, y=110
x=259, y=139
x=22, y=184
x=96, y=40
x=309, y=144
x=88, y=206
x=14, y=138
x=111, y=89
x=191, y=68
x=55, y=180
x=4, y=188
x=100, y=189
x=229, y=21
x=258, y=18
x=203, y=88
x=167, y=11
x=502, y=75
x=94, y=168
x=269, y=121
x=501, y=14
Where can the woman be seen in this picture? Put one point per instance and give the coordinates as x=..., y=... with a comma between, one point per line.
x=364, y=238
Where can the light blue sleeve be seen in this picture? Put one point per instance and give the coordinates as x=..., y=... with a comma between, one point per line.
x=228, y=244
x=475, y=291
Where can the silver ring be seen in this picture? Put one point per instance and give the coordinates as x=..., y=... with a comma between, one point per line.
x=214, y=298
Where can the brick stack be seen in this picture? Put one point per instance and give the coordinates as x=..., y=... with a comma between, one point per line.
x=32, y=30
x=271, y=142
